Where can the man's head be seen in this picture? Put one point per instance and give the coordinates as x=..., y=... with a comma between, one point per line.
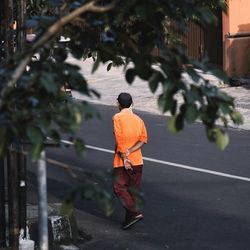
x=124, y=100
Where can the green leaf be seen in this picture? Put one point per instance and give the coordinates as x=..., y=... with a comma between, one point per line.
x=191, y=113
x=55, y=135
x=35, y=135
x=237, y=117
x=171, y=124
x=161, y=102
x=143, y=11
x=225, y=97
x=144, y=72
x=67, y=208
x=36, y=150
x=79, y=146
x=60, y=54
x=88, y=192
x=220, y=74
x=36, y=138
x=68, y=204
x=89, y=111
x=109, y=66
x=225, y=109
x=109, y=207
x=179, y=123
x=225, y=121
x=78, y=117
x=95, y=93
x=48, y=83
x=96, y=65
x=154, y=81
x=222, y=139
x=192, y=73
x=130, y=75
x=211, y=133
x=207, y=15
x=167, y=103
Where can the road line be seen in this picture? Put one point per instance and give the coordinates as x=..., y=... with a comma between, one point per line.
x=177, y=165
x=197, y=169
x=100, y=149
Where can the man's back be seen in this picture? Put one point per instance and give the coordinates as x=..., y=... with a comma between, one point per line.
x=128, y=129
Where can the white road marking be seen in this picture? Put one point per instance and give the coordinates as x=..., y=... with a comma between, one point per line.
x=198, y=169
x=170, y=164
x=100, y=149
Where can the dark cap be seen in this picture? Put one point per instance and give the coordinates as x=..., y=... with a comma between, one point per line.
x=125, y=100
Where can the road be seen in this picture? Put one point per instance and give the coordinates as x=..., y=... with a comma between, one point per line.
x=185, y=208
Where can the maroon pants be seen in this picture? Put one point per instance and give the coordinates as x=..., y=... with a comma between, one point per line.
x=126, y=187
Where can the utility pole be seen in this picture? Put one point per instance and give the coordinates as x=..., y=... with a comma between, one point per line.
x=42, y=202
x=21, y=166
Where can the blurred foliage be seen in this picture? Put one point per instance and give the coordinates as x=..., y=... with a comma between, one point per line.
x=125, y=35
x=91, y=188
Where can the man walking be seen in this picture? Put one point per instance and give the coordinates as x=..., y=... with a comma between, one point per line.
x=130, y=135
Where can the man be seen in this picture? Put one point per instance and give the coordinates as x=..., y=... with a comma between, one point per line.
x=130, y=135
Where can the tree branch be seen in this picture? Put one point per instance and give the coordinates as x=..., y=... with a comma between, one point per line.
x=50, y=33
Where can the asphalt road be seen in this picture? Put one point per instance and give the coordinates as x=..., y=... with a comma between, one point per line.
x=185, y=209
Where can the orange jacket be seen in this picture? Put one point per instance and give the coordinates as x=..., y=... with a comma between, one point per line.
x=128, y=130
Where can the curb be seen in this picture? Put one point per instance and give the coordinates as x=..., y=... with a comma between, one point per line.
x=63, y=230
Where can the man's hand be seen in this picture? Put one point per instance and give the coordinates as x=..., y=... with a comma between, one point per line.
x=127, y=164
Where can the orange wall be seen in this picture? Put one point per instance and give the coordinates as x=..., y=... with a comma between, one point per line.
x=239, y=16
x=236, y=50
x=237, y=57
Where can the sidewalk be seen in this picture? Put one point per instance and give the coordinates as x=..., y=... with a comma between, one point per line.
x=110, y=83
x=97, y=232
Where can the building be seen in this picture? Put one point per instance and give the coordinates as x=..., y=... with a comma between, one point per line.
x=236, y=39
x=227, y=45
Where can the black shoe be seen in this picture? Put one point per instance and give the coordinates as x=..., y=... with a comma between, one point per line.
x=130, y=222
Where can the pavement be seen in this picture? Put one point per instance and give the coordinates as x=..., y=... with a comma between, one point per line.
x=110, y=83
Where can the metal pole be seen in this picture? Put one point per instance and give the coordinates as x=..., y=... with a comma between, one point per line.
x=2, y=206
x=42, y=202
x=22, y=190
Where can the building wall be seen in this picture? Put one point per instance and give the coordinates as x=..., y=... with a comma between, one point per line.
x=236, y=39
x=239, y=13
